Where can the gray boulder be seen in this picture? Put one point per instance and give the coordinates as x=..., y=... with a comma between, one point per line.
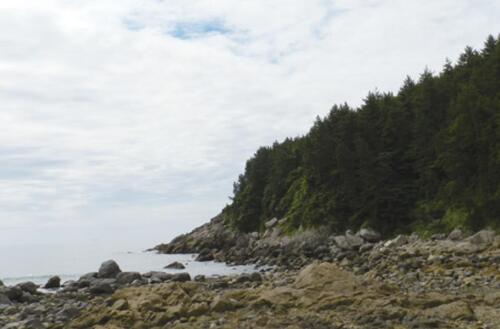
x=181, y=277
x=13, y=293
x=128, y=277
x=28, y=287
x=101, y=287
x=157, y=276
x=370, y=235
x=108, y=269
x=53, y=283
x=175, y=266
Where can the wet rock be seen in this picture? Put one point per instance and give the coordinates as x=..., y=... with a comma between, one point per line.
x=176, y=266
x=108, y=269
x=53, y=283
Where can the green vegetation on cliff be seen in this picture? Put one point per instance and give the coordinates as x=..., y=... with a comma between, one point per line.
x=426, y=158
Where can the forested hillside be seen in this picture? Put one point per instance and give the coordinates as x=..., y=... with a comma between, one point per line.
x=427, y=158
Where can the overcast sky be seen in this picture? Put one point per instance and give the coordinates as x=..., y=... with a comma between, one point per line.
x=129, y=120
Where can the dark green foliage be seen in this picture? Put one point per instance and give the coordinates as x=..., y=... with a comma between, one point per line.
x=428, y=157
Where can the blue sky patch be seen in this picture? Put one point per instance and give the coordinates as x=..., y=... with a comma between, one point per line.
x=191, y=30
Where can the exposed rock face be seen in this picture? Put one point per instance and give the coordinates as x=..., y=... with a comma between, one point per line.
x=108, y=269
x=53, y=283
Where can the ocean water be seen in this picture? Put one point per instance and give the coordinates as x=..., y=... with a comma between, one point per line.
x=39, y=262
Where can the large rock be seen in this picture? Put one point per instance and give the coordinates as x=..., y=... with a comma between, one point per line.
x=108, y=269
x=370, y=235
x=483, y=237
x=53, y=283
x=348, y=241
x=205, y=255
x=175, y=266
x=28, y=287
x=128, y=277
x=181, y=277
x=101, y=287
x=326, y=276
x=13, y=293
x=456, y=235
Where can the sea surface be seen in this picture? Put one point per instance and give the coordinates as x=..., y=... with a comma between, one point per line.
x=37, y=263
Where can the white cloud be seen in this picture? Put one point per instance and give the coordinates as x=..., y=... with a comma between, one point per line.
x=104, y=107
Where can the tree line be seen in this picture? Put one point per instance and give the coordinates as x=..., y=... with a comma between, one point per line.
x=426, y=158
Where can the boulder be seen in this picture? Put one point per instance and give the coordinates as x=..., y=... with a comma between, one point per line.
x=181, y=277
x=101, y=287
x=108, y=269
x=483, y=237
x=223, y=304
x=175, y=266
x=370, y=235
x=156, y=276
x=13, y=293
x=348, y=241
x=128, y=277
x=53, y=283
x=204, y=256
x=28, y=287
x=456, y=235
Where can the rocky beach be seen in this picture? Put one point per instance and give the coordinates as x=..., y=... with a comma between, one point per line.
x=313, y=279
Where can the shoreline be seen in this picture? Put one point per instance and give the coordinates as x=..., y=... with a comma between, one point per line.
x=318, y=283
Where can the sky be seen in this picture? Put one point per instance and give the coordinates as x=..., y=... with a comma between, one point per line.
x=127, y=121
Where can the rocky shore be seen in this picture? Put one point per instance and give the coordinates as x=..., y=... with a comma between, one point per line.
x=318, y=280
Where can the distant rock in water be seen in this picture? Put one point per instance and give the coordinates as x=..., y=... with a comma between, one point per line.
x=176, y=266
x=108, y=269
x=53, y=283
